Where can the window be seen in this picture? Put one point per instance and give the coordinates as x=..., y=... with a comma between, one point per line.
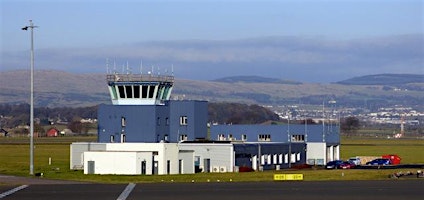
x=158, y=121
x=183, y=137
x=112, y=138
x=167, y=121
x=144, y=90
x=165, y=138
x=221, y=137
x=230, y=137
x=136, y=91
x=243, y=137
x=122, y=138
x=128, y=91
x=121, y=91
x=123, y=122
x=298, y=138
x=264, y=137
x=183, y=120
x=151, y=91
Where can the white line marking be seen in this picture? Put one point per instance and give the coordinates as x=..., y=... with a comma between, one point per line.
x=7, y=193
x=126, y=192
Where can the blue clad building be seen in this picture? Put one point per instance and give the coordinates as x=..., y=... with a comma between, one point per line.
x=142, y=112
x=285, y=133
x=174, y=121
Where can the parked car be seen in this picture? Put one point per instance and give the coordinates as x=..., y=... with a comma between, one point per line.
x=347, y=165
x=335, y=164
x=379, y=161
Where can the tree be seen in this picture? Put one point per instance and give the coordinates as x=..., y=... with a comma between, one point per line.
x=350, y=125
x=75, y=126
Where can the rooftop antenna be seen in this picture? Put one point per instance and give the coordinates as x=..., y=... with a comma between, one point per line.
x=114, y=66
x=107, y=65
x=141, y=66
x=172, y=69
x=158, y=70
x=128, y=68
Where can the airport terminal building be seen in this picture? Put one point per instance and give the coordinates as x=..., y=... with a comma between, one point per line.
x=144, y=132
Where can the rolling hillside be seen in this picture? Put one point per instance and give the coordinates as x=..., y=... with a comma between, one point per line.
x=59, y=89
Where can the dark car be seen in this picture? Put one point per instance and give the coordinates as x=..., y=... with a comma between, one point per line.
x=379, y=161
x=335, y=164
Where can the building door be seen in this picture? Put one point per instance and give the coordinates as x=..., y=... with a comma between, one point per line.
x=168, y=167
x=155, y=167
x=143, y=167
x=90, y=167
x=207, y=165
x=180, y=166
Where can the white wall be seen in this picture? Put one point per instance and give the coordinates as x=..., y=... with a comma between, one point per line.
x=77, y=152
x=117, y=162
x=315, y=151
x=166, y=151
x=221, y=155
x=187, y=158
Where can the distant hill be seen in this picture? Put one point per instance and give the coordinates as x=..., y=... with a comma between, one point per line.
x=384, y=79
x=60, y=89
x=254, y=79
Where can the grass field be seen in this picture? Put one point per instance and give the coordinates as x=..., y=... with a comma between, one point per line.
x=14, y=160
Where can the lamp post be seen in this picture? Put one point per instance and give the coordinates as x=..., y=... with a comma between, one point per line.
x=31, y=165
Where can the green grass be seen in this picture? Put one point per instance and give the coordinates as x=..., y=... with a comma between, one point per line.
x=14, y=160
x=410, y=150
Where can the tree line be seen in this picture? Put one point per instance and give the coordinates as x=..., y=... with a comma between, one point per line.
x=14, y=115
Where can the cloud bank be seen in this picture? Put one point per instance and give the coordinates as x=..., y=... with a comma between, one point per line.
x=309, y=59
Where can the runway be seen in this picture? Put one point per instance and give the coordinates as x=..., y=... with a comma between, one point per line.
x=346, y=190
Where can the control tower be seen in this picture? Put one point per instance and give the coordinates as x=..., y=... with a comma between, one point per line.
x=139, y=89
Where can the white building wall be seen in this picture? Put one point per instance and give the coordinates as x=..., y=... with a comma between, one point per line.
x=165, y=152
x=187, y=159
x=316, y=153
x=77, y=152
x=116, y=162
x=336, y=152
x=221, y=155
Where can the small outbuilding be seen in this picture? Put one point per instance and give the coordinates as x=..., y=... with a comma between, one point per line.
x=53, y=132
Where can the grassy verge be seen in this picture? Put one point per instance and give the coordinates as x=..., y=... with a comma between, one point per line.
x=14, y=158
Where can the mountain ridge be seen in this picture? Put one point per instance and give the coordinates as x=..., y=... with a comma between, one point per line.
x=65, y=89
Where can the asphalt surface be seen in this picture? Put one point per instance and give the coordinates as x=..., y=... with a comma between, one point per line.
x=346, y=190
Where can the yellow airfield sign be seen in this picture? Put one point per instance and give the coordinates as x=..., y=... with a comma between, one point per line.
x=288, y=177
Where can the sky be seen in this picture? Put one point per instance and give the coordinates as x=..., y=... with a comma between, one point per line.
x=302, y=40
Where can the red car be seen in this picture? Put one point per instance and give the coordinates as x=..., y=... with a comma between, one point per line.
x=347, y=165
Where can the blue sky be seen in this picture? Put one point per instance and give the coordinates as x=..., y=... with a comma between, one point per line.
x=228, y=37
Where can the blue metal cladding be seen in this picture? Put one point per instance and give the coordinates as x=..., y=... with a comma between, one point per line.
x=152, y=123
x=196, y=113
x=279, y=133
x=140, y=123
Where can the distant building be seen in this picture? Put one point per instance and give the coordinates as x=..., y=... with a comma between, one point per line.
x=52, y=132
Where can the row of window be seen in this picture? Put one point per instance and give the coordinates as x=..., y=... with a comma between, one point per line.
x=183, y=121
x=144, y=91
x=182, y=137
x=261, y=138
x=275, y=159
x=112, y=138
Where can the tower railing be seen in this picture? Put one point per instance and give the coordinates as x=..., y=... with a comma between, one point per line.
x=138, y=78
